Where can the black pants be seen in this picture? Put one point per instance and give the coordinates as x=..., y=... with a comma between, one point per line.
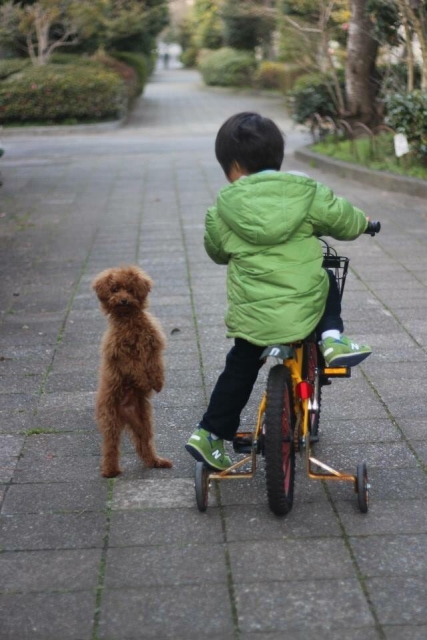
x=234, y=385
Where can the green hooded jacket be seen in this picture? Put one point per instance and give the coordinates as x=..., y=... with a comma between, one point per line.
x=265, y=228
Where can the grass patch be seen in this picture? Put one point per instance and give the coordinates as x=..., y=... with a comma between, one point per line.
x=37, y=431
x=378, y=155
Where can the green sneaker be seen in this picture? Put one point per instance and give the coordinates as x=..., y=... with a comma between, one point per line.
x=204, y=448
x=343, y=352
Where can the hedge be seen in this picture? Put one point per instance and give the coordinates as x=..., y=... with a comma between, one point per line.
x=228, y=67
x=62, y=92
x=12, y=65
x=139, y=64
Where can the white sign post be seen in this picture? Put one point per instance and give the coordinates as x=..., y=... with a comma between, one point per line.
x=401, y=146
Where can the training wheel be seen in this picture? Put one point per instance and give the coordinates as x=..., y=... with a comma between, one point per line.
x=362, y=487
x=202, y=485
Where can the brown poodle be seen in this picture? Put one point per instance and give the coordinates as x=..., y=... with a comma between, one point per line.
x=131, y=366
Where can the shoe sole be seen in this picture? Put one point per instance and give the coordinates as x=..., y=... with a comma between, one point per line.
x=198, y=455
x=348, y=360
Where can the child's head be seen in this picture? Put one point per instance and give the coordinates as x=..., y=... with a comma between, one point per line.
x=250, y=143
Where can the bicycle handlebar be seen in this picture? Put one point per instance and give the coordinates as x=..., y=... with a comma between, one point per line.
x=373, y=227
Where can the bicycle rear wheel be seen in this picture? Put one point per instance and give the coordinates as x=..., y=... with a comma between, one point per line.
x=279, y=449
x=311, y=358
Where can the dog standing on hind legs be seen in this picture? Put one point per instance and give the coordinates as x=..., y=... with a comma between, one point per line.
x=131, y=366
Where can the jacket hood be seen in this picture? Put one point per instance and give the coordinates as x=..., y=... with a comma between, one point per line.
x=266, y=208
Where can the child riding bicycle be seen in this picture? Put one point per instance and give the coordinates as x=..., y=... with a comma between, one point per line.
x=265, y=228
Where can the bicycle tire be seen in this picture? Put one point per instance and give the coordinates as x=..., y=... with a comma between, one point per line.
x=311, y=358
x=201, y=485
x=362, y=487
x=279, y=449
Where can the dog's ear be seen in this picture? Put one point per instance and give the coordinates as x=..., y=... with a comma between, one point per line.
x=101, y=284
x=141, y=281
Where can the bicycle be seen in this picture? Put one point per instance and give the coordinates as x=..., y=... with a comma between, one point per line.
x=288, y=417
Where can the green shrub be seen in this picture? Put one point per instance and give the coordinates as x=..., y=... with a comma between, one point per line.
x=189, y=57
x=12, y=65
x=310, y=95
x=71, y=58
x=228, y=68
x=277, y=75
x=139, y=64
x=126, y=72
x=270, y=75
x=394, y=78
x=57, y=93
x=407, y=113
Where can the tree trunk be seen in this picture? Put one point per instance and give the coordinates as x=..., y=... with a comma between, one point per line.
x=362, y=51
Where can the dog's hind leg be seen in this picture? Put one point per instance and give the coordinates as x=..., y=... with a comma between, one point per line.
x=140, y=421
x=110, y=428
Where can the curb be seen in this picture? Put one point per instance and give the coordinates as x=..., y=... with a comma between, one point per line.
x=380, y=179
x=102, y=127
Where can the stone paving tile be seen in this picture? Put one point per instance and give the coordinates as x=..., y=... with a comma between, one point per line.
x=384, y=517
x=399, y=600
x=155, y=566
x=398, y=555
x=36, y=571
x=52, y=469
x=79, y=496
x=401, y=632
x=42, y=616
x=365, y=633
x=309, y=604
x=168, y=612
x=173, y=526
x=20, y=532
x=305, y=521
x=280, y=561
x=138, y=494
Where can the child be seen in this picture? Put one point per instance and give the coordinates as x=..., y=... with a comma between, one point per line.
x=264, y=227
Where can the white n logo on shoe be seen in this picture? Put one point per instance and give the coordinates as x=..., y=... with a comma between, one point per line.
x=216, y=454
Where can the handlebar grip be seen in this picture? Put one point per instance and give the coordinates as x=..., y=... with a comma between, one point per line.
x=373, y=227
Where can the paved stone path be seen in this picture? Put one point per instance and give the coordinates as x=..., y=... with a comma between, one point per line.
x=84, y=558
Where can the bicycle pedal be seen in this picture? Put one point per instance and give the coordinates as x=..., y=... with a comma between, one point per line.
x=337, y=372
x=242, y=442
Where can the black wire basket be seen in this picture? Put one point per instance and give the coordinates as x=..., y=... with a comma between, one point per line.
x=335, y=263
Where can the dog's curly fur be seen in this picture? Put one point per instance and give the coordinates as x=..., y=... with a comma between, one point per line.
x=131, y=366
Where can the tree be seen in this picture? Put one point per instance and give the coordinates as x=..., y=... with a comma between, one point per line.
x=207, y=25
x=40, y=28
x=362, y=50
x=248, y=25
x=414, y=19
x=310, y=26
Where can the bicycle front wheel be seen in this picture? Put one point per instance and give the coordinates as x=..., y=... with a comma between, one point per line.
x=279, y=449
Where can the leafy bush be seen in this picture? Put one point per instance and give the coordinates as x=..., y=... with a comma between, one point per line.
x=276, y=75
x=270, y=75
x=126, y=72
x=139, y=64
x=407, y=113
x=310, y=95
x=228, y=67
x=12, y=65
x=189, y=57
x=394, y=78
x=57, y=93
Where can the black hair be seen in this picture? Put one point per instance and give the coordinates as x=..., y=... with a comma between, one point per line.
x=251, y=140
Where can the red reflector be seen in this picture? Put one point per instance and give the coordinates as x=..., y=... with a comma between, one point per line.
x=304, y=390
